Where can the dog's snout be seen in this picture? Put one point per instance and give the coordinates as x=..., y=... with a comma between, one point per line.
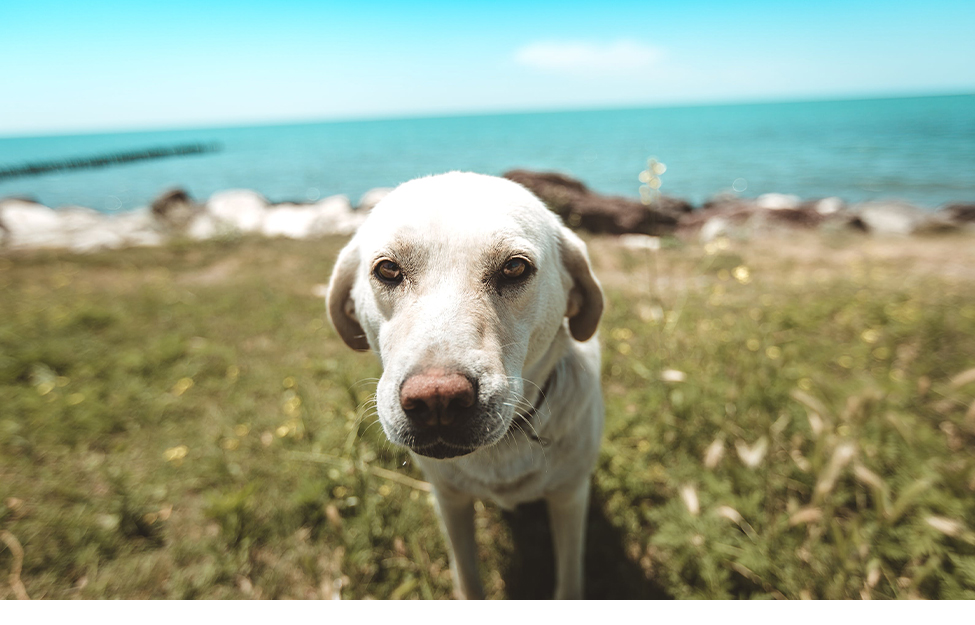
x=436, y=397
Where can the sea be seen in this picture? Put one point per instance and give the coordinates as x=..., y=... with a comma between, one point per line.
x=919, y=149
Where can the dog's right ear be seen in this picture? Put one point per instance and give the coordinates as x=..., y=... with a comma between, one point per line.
x=341, y=308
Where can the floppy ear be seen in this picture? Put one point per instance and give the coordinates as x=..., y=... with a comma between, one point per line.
x=585, y=305
x=341, y=308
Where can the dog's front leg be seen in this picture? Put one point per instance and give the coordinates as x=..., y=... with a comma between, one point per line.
x=567, y=511
x=457, y=514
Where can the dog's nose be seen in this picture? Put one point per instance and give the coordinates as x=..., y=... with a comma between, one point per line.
x=436, y=396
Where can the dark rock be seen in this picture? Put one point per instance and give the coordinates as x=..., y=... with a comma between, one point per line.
x=754, y=214
x=175, y=209
x=581, y=208
x=960, y=212
x=739, y=211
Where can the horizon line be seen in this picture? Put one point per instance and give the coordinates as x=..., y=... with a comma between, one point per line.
x=431, y=115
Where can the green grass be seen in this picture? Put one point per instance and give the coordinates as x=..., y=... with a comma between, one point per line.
x=184, y=423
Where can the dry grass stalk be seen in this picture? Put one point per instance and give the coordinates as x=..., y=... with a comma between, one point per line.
x=842, y=455
x=689, y=494
x=14, y=545
x=753, y=455
x=963, y=378
x=714, y=453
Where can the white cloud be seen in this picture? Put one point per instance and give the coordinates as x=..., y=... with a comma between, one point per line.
x=588, y=58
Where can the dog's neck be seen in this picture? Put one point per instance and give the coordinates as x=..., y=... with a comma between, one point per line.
x=538, y=374
x=541, y=378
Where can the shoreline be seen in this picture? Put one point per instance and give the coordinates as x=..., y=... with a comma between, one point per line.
x=25, y=224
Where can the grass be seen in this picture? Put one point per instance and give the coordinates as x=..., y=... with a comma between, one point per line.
x=786, y=417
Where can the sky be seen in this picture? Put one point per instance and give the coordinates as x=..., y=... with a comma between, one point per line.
x=68, y=67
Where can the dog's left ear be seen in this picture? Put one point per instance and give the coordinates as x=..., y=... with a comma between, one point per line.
x=585, y=305
x=341, y=308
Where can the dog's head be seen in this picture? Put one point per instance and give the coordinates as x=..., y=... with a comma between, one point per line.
x=460, y=283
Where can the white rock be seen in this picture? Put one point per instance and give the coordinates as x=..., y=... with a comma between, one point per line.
x=829, y=206
x=77, y=219
x=97, y=237
x=372, y=197
x=777, y=201
x=31, y=225
x=202, y=227
x=289, y=220
x=138, y=227
x=240, y=209
x=897, y=218
x=335, y=216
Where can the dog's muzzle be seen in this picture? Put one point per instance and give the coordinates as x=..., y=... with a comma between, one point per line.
x=445, y=417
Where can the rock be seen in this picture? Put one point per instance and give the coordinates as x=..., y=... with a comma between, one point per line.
x=137, y=228
x=242, y=210
x=776, y=210
x=77, y=219
x=332, y=215
x=777, y=201
x=96, y=237
x=203, y=227
x=175, y=209
x=335, y=216
x=288, y=220
x=829, y=206
x=372, y=197
x=960, y=212
x=890, y=217
x=28, y=224
x=581, y=208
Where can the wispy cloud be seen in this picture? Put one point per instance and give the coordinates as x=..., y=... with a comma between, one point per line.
x=575, y=57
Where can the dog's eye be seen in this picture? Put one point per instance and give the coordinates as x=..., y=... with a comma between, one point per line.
x=516, y=268
x=389, y=272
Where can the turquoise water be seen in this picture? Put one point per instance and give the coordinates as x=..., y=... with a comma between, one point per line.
x=918, y=149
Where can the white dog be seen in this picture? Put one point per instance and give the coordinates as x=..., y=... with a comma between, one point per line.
x=482, y=308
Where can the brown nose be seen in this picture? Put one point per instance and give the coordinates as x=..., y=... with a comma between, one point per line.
x=436, y=396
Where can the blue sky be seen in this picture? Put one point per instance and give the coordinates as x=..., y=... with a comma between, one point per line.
x=92, y=66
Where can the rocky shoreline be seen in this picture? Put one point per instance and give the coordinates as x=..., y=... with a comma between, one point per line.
x=174, y=214
x=733, y=215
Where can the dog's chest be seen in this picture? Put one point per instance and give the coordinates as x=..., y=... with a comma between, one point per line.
x=508, y=476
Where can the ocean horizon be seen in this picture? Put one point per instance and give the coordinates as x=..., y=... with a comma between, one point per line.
x=916, y=149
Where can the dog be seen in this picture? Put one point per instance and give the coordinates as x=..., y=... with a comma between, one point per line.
x=483, y=309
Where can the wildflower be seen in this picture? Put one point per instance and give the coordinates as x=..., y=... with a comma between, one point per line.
x=182, y=385
x=75, y=398
x=176, y=454
x=870, y=336
x=742, y=274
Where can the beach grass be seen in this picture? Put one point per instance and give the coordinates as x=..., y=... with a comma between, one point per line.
x=790, y=416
